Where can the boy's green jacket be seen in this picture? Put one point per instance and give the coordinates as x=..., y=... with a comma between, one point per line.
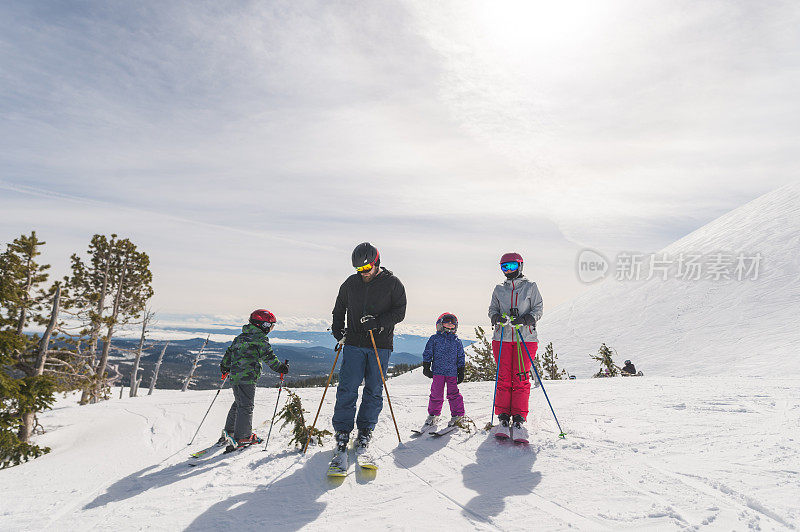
x=244, y=356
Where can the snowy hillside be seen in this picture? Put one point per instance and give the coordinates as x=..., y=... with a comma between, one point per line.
x=681, y=326
x=651, y=453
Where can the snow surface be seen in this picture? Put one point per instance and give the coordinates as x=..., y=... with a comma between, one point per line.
x=685, y=327
x=661, y=453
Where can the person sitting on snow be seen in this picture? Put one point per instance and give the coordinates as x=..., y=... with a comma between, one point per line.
x=628, y=369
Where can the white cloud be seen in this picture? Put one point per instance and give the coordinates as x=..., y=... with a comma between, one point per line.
x=248, y=147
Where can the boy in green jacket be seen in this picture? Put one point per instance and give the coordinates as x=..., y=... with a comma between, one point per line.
x=242, y=364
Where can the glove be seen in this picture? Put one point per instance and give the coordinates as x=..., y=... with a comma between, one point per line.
x=338, y=334
x=460, y=375
x=495, y=319
x=224, y=375
x=527, y=319
x=283, y=368
x=369, y=322
x=426, y=370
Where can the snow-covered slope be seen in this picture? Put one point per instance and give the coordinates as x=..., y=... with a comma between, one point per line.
x=650, y=453
x=698, y=327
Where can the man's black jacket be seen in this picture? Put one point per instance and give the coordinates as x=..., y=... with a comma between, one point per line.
x=384, y=297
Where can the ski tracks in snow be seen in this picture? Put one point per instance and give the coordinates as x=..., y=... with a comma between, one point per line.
x=649, y=453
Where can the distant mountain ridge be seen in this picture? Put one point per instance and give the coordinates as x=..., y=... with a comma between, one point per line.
x=304, y=360
x=403, y=343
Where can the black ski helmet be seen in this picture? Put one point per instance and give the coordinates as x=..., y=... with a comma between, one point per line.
x=365, y=253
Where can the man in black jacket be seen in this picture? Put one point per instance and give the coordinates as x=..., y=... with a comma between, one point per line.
x=372, y=299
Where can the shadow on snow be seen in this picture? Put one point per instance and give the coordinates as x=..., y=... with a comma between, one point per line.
x=500, y=470
x=288, y=503
x=150, y=477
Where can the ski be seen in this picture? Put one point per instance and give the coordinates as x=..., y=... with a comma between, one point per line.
x=441, y=432
x=231, y=449
x=365, y=460
x=338, y=466
x=203, y=452
x=202, y=455
x=422, y=430
x=502, y=434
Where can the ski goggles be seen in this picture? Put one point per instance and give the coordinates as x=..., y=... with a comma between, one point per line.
x=509, y=266
x=365, y=268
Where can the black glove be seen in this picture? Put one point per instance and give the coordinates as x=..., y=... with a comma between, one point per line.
x=426, y=370
x=338, y=334
x=460, y=375
x=369, y=322
x=283, y=368
x=495, y=318
x=527, y=319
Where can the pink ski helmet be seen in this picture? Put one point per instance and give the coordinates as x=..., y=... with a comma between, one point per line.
x=447, y=322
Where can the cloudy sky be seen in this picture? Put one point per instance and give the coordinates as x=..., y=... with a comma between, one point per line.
x=249, y=146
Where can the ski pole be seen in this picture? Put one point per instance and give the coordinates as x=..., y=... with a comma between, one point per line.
x=380, y=370
x=225, y=378
x=562, y=434
x=338, y=350
x=280, y=389
x=497, y=373
x=520, y=360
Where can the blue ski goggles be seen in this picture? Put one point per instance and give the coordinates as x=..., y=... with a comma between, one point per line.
x=509, y=266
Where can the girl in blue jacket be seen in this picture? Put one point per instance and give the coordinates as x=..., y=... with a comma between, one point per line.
x=443, y=361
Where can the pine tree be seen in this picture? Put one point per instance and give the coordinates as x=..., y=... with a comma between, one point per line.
x=293, y=413
x=549, y=364
x=23, y=387
x=604, y=356
x=481, y=365
x=537, y=363
x=108, y=291
x=28, y=278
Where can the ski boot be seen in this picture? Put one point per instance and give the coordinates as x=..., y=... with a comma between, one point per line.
x=363, y=456
x=226, y=439
x=455, y=421
x=243, y=444
x=338, y=465
x=518, y=431
x=502, y=431
x=428, y=426
x=363, y=438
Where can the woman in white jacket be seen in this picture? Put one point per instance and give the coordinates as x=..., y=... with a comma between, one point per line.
x=520, y=300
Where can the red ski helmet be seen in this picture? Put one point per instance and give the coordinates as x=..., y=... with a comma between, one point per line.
x=447, y=318
x=263, y=319
x=511, y=257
